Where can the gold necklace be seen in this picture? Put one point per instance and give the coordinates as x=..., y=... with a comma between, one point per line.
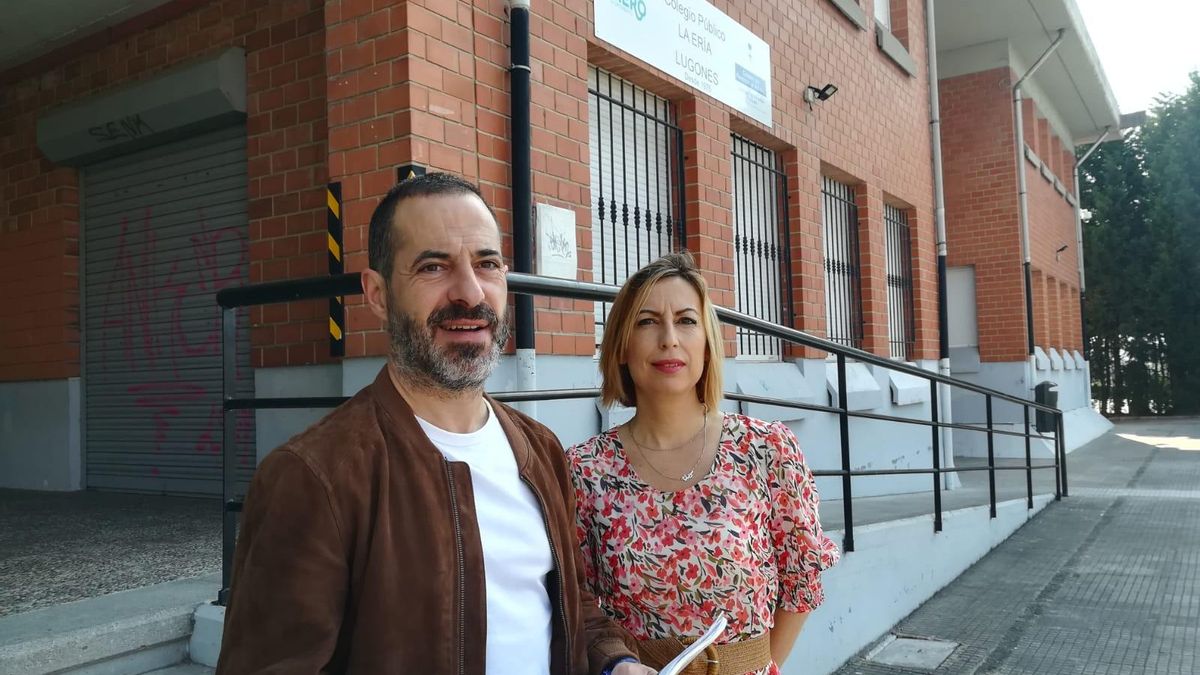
x=646, y=446
x=692, y=471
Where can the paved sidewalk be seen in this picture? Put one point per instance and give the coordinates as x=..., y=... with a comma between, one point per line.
x=1105, y=582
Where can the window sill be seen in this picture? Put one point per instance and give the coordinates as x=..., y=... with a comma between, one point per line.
x=774, y=381
x=907, y=389
x=1032, y=157
x=862, y=390
x=891, y=47
x=852, y=11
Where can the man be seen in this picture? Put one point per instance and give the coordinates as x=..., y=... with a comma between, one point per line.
x=420, y=528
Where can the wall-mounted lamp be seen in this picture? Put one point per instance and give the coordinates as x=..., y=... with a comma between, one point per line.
x=812, y=94
x=1059, y=251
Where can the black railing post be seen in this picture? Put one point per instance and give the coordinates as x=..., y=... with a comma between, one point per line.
x=1058, y=477
x=228, y=450
x=937, y=456
x=991, y=442
x=844, y=426
x=1060, y=437
x=1028, y=462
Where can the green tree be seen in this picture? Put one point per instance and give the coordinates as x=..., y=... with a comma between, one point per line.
x=1172, y=140
x=1142, y=245
x=1117, y=241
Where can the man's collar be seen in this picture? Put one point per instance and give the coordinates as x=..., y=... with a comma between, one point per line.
x=400, y=412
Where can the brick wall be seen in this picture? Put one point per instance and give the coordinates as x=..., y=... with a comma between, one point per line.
x=429, y=85
x=434, y=78
x=982, y=216
x=1052, y=226
x=39, y=215
x=873, y=268
x=981, y=204
x=348, y=90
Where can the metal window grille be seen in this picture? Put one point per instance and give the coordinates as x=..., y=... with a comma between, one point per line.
x=843, y=287
x=898, y=238
x=760, y=244
x=636, y=180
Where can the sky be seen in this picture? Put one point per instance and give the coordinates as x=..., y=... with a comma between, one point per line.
x=1147, y=47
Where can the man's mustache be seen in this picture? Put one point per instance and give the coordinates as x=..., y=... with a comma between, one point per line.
x=480, y=312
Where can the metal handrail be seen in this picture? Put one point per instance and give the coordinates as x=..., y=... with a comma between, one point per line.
x=349, y=284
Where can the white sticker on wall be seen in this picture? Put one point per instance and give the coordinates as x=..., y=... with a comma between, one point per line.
x=557, y=255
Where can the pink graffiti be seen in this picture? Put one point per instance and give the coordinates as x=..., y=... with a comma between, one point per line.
x=131, y=301
x=127, y=299
x=132, y=294
x=165, y=398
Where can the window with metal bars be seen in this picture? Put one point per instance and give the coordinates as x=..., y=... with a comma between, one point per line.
x=636, y=159
x=901, y=324
x=843, y=287
x=761, y=259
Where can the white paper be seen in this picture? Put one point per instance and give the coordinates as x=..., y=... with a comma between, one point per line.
x=677, y=664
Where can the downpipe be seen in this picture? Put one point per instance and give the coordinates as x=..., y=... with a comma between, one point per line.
x=1083, y=332
x=522, y=196
x=950, y=481
x=1023, y=205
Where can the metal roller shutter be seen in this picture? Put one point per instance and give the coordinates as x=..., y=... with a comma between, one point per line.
x=164, y=229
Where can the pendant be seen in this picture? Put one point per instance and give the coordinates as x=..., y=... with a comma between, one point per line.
x=687, y=476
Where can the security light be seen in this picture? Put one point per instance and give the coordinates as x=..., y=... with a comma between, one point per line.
x=812, y=94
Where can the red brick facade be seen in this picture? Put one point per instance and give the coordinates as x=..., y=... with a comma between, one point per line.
x=348, y=90
x=982, y=215
x=285, y=127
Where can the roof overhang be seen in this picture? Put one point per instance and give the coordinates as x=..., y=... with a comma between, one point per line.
x=1070, y=88
x=33, y=29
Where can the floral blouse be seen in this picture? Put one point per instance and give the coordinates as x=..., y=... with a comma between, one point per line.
x=744, y=540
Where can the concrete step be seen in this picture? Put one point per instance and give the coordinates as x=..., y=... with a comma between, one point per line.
x=184, y=669
x=126, y=633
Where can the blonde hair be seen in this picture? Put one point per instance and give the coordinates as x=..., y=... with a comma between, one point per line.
x=617, y=386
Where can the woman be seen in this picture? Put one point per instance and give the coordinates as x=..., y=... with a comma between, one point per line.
x=684, y=511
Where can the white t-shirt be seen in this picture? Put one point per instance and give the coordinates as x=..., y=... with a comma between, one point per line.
x=516, y=553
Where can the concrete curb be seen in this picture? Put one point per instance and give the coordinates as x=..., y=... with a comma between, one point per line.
x=205, y=645
x=128, y=632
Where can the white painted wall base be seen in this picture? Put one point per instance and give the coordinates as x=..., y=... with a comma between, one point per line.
x=39, y=435
x=874, y=444
x=1084, y=425
x=974, y=443
x=274, y=427
x=894, y=568
x=1067, y=370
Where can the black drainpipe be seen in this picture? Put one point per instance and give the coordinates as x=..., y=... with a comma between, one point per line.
x=522, y=178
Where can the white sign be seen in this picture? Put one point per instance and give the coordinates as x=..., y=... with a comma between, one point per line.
x=694, y=42
x=556, y=252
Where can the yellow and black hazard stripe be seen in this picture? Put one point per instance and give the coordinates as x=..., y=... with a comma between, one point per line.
x=337, y=304
x=406, y=171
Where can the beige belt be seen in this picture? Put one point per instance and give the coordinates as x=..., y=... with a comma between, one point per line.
x=735, y=658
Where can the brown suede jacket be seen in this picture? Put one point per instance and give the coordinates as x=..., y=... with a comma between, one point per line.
x=360, y=553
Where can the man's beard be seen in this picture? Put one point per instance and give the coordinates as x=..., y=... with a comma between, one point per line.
x=453, y=368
